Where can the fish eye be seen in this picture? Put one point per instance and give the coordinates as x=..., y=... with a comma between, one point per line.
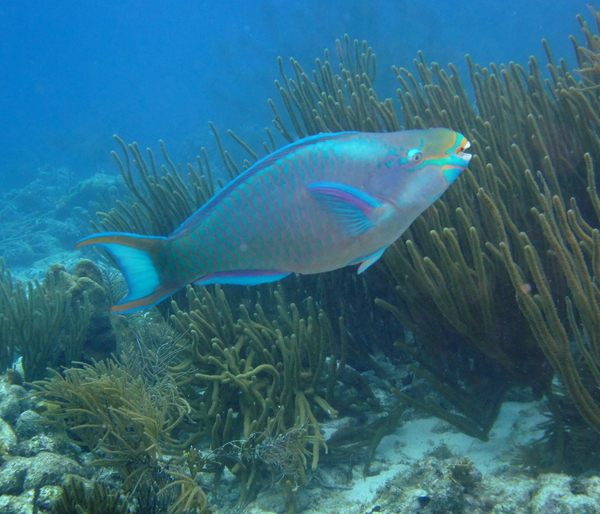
x=417, y=157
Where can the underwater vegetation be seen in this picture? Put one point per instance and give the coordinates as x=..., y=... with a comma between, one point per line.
x=503, y=261
x=496, y=285
x=460, y=265
x=113, y=411
x=528, y=211
x=254, y=387
x=265, y=381
x=54, y=322
x=79, y=497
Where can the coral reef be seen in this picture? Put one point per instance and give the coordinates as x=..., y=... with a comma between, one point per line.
x=503, y=225
x=452, y=266
x=40, y=322
x=49, y=324
x=79, y=497
x=347, y=101
x=50, y=214
x=100, y=338
x=438, y=486
x=494, y=288
x=110, y=410
x=264, y=383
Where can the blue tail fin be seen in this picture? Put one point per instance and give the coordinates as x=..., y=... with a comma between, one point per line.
x=134, y=255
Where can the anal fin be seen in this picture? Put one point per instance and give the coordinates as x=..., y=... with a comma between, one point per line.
x=242, y=277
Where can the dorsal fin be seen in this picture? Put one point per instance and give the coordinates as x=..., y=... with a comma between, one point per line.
x=257, y=167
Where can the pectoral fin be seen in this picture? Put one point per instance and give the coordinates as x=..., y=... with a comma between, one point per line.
x=356, y=211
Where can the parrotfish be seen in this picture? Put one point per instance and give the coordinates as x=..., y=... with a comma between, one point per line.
x=318, y=204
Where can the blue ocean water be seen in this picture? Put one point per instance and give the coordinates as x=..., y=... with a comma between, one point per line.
x=73, y=73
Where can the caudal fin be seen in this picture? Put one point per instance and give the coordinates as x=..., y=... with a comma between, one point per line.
x=134, y=255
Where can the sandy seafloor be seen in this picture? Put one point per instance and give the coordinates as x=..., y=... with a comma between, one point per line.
x=415, y=462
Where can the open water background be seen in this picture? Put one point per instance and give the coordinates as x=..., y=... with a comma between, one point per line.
x=74, y=72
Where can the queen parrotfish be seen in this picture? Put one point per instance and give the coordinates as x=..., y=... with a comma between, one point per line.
x=316, y=205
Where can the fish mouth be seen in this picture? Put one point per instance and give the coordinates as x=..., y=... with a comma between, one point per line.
x=460, y=152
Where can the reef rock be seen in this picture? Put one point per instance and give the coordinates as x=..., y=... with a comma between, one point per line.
x=36, y=434
x=30, y=424
x=13, y=401
x=23, y=504
x=49, y=469
x=12, y=475
x=562, y=494
x=8, y=439
x=20, y=474
x=16, y=504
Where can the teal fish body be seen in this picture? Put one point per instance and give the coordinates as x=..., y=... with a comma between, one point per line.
x=316, y=205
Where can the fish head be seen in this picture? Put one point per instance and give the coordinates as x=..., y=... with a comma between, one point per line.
x=420, y=166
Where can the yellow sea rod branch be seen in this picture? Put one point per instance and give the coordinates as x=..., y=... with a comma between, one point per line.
x=590, y=355
x=547, y=326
